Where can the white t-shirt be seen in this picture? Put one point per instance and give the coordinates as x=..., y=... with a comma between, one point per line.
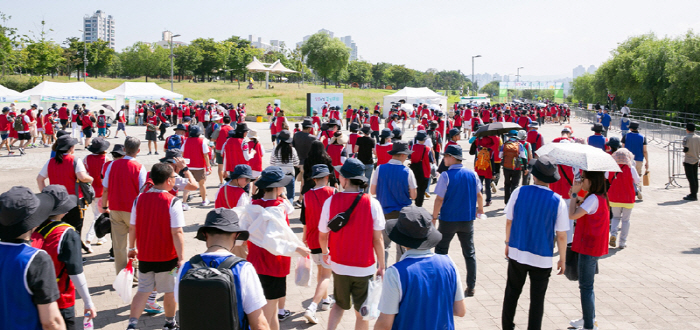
x=205, y=150
x=79, y=167
x=242, y=201
x=252, y=295
x=590, y=204
x=561, y=224
x=143, y=174
x=379, y=223
x=177, y=216
x=411, y=177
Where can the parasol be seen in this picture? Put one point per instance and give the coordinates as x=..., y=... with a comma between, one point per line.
x=497, y=128
x=582, y=156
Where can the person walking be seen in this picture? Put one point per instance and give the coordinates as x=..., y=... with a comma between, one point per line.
x=422, y=290
x=317, y=155
x=219, y=146
x=302, y=142
x=121, y=121
x=529, y=243
x=127, y=176
x=383, y=146
x=94, y=164
x=605, y=120
x=637, y=144
x=152, y=123
x=365, y=150
x=691, y=148
x=514, y=158
x=598, y=139
x=624, y=125
x=590, y=239
x=421, y=158
x=286, y=158
x=236, y=149
x=196, y=149
x=356, y=250
x=522, y=138
x=621, y=195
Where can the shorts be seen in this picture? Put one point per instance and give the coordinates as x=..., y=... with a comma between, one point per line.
x=345, y=287
x=151, y=136
x=64, y=122
x=120, y=127
x=4, y=135
x=198, y=175
x=87, y=132
x=318, y=260
x=219, y=158
x=273, y=287
x=274, y=138
x=164, y=281
x=101, y=131
x=24, y=136
x=40, y=130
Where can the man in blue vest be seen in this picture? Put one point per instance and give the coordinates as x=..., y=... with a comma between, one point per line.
x=534, y=215
x=395, y=188
x=423, y=290
x=28, y=289
x=597, y=139
x=458, y=203
x=637, y=144
x=605, y=120
x=624, y=125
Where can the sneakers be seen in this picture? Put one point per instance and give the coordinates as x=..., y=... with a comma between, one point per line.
x=285, y=316
x=310, y=316
x=149, y=153
x=493, y=188
x=131, y=327
x=205, y=203
x=101, y=241
x=171, y=326
x=578, y=324
x=153, y=308
x=427, y=195
x=469, y=292
x=156, y=152
x=612, y=241
x=21, y=151
x=689, y=198
x=185, y=207
x=639, y=195
x=326, y=304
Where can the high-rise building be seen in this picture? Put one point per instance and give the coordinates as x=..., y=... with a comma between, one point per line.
x=347, y=40
x=99, y=26
x=579, y=71
x=165, y=42
x=274, y=45
x=592, y=69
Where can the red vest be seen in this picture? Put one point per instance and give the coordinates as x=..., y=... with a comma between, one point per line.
x=314, y=200
x=335, y=151
x=266, y=263
x=621, y=186
x=93, y=165
x=123, y=184
x=49, y=238
x=228, y=196
x=382, y=154
x=64, y=174
x=223, y=135
x=193, y=151
x=87, y=123
x=63, y=113
x=352, y=245
x=154, y=239
x=421, y=153
x=592, y=231
x=326, y=136
x=563, y=186
x=279, y=123
x=256, y=163
x=374, y=123
x=352, y=140
x=233, y=153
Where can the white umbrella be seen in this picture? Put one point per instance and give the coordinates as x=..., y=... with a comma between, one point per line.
x=582, y=156
x=211, y=101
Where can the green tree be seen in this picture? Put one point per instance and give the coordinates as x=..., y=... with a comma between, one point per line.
x=141, y=59
x=240, y=53
x=43, y=55
x=325, y=55
x=359, y=72
x=73, y=55
x=399, y=75
x=9, y=41
x=379, y=74
x=213, y=56
x=491, y=88
x=187, y=59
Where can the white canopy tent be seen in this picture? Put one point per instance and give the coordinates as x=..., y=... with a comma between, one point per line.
x=49, y=92
x=414, y=95
x=134, y=91
x=8, y=96
x=277, y=67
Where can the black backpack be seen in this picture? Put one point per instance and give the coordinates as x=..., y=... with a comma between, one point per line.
x=220, y=309
x=101, y=121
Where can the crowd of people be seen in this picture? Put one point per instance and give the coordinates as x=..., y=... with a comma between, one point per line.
x=361, y=188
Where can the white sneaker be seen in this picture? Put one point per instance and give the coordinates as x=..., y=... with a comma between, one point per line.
x=185, y=207
x=310, y=316
x=327, y=304
x=101, y=241
x=205, y=202
x=578, y=324
x=493, y=188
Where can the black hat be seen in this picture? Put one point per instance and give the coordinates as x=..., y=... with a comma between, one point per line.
x=241, y=171
x=598, y=127
x=690, y=127
x=65, y=142
x=225, y=220
x=613, y=142
x=634, y=125
x=352, y=169
x=273, y=177
x=307, y=123
x=242, y=127
x=452, y=132
x=63, y=202
x=400, y=147
x=397, y=132
x=119, y=150
x=335, y=122
x=187, y=119
x=180, y=127
x=195, y=131
x=354, y=127
x=421, y=135
x=319, y=171
x=285, y=135
x=413, y=229
x=545, y=169
x=21, y=210
x=455, y=151
x=386, y=133
x=98, y=145
x=367, y=129
x=433, y=124
x=170, y=156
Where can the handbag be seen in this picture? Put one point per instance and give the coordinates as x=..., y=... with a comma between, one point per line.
x=646, y=179
x=103, y=225
x=86, y=189
x=571, y=270
x=341, y=219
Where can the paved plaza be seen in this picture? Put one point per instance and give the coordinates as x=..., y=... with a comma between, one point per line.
x=652, y=284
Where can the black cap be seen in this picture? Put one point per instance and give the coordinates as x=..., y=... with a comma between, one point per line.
x=273, y=177
x=613, y=142
x=98, y=145
x=319, y=171
x=598, y=127
x=225, y=220
x=386, y=133
x=118, y=149
x=65, y=142
x=634, y=125
x=354, y=127
x=367, y=129
x=242, y=127
x=195, y=131
x=285, y=135
x=452, y=132
x=307, y=123
x=241, y=171
x=21, y=210
x=170, y=156
x=545, y=169
x=421, y=135
x=352, y=169
x=63, y=202
x=455, y=151
x=400, y=147
x=413, y=229
x=180, y=127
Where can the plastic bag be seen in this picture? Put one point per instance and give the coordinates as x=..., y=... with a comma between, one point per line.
x=303, y=271
x=122, y=284
x=370, y=308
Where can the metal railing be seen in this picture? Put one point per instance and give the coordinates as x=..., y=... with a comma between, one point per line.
x=675, y=164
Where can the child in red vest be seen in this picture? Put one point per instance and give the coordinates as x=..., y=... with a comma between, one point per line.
x=233, y=193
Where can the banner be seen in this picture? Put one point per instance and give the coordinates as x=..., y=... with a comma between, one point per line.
x=314, y=101
x=558, y=88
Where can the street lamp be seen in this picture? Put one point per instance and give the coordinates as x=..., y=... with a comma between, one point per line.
x=473, y=57
x=518, y=79
x=171, y=59
x=85, y=60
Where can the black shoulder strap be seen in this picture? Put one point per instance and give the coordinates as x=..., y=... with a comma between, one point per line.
x=229, y=262
x=354, y=203
x=566, y=177
x=197, y=262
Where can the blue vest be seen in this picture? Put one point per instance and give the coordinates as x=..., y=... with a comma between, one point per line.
x=625, y=124
x=597, y=141
x=460, y=198
x=428, y=287
x=605, y=120
x=214, y=261
x=534, y=216
x=392, y=187
x=18, y=310
x=634, y=142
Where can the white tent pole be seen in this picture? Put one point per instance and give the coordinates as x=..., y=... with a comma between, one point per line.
x=267, y=79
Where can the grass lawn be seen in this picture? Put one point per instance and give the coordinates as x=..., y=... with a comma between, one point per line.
x=292, y=96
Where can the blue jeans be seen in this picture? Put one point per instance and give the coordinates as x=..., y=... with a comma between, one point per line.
x=369, y=168
x=290, y=191
x=586, y=273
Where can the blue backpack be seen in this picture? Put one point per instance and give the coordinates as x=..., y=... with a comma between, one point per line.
x=174, y=142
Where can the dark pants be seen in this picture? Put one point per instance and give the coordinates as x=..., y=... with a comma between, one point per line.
x=465, y=234
x=539, y=280
x=422, y=186
x=74, y=218
x=375, y=135
x=68, y=315
x=526, y=178
x=511, y=180
x=496, y=167
x=162, y=132
x=691, y=172
x=486, y=184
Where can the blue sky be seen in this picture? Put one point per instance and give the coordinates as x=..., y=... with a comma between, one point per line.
x=547, y=38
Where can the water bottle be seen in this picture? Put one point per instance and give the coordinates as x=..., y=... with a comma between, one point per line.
x=87, y=324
